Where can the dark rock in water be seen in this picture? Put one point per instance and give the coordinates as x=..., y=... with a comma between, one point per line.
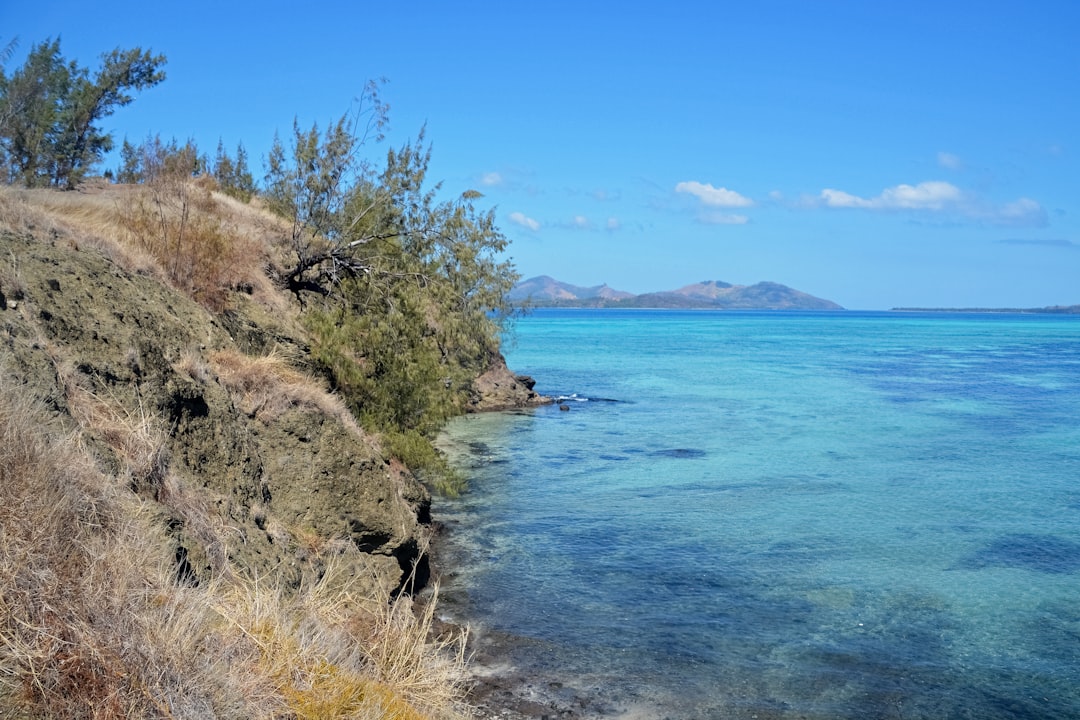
x=1042, y=553
x=680, y=453
x=499, y=389
x=564, y=408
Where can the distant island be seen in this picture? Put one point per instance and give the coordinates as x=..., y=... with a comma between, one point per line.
x=545, y=291
x=1051, y=310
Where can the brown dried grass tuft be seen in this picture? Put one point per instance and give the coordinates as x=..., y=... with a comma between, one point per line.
x=12, y=287
x=83, y=221
x=333, y=654
x=267, y=386
x=178, y=222
x=93, y=623
x=133, y=433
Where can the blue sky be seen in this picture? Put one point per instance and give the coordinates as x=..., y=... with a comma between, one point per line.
x=875, y=154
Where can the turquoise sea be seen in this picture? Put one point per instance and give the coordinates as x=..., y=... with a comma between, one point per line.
x=782, y=515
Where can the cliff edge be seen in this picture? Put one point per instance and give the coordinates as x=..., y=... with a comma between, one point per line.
x=221, y=418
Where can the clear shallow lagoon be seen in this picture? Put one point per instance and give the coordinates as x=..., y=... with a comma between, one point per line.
x=786, y=515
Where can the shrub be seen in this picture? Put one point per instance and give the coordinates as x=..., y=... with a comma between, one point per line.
x=418, y=453
x=173, y=219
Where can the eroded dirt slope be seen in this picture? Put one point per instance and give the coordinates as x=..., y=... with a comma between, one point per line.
x=251, y=460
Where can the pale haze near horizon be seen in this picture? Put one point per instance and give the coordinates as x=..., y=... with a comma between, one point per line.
x=877, y=155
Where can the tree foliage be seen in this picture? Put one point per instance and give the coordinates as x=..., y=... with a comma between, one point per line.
x=406, y=291
x=314, y=181
x=154, y=158
x=232, y=174
x=51, y=109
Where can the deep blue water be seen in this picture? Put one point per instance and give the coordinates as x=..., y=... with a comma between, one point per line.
x=787, y=515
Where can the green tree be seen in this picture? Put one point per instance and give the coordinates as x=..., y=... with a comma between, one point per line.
x=130, y=170
x=30, y=101
x=316, y=184
x=405, y=291
x=50, y=111
x=233, y=176
x=154, y=158
x=7, y=51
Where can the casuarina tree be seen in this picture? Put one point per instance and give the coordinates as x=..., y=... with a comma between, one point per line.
x=51, y=110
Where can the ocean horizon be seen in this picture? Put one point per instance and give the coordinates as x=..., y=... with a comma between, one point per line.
x=780, y=514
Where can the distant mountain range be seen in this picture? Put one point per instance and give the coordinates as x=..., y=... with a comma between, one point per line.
x=545, y=291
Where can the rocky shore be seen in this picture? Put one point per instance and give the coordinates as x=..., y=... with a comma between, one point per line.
x=227, y=406
x=500, y=389
x=505, y=692
x=219, y=423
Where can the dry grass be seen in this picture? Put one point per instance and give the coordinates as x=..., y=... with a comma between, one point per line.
x=333, y=654
x=177, y=221
x=82, y=577
x=12, y=288
x=193, y=365
x=84, y=221
x=133, y=432
x=267, y=386
x=204, y=243
x=93, y=623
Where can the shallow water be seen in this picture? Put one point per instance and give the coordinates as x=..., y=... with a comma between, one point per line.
x=838, y=515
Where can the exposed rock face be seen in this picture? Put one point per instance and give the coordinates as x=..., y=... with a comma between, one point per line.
x=500, y=389
x=128, y=362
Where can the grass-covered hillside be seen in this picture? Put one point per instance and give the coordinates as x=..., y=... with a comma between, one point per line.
x=217, y=400
x=209, y=500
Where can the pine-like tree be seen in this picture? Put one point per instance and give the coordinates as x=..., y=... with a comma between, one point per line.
x=50, y=111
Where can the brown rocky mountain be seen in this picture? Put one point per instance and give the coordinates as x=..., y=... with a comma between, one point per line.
x=544, y=291
x=543, y=288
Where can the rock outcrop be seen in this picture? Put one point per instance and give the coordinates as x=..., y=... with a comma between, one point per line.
x=500, y=389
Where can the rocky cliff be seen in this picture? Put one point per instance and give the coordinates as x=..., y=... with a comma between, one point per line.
x=218, y=417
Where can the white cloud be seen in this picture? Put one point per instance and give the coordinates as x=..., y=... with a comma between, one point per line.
x=932, y=195
x=613, y=224
x=524, y=221
x=713, y=196
x=1024, y=212
x=718, y=218
x=949, y=161
x=491, y=178
x=841, y=199
x=941, y=197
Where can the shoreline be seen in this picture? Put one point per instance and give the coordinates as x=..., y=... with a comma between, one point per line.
x=510, y=676
x=501, y=689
